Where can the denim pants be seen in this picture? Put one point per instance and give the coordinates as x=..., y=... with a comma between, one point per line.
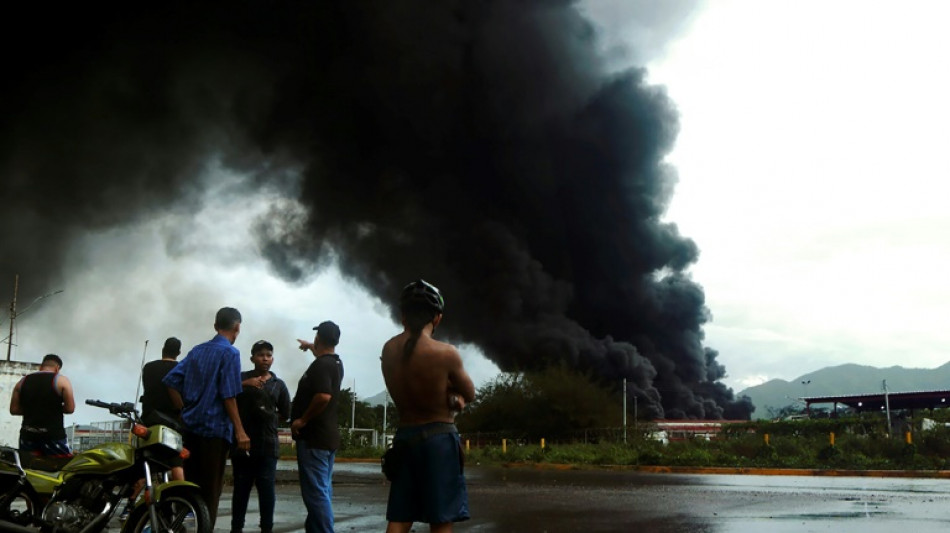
x=250, y=471
x=316, y=471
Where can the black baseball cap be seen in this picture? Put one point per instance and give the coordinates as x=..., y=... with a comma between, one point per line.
x=328, y=333
x=261, y=345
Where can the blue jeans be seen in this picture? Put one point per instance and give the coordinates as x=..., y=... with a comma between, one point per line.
x=250, y=471
x=316, y=471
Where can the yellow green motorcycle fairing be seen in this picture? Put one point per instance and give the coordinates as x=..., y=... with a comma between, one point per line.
x=103, y=459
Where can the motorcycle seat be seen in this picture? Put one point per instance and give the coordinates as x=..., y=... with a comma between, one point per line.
x=44, y=463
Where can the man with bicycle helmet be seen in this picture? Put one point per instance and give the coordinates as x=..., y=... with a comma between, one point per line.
x=428, y=384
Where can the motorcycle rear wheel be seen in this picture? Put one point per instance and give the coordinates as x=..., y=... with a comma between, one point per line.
x=181, y=509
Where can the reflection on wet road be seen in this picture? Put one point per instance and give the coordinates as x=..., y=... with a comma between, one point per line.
x=556, y=501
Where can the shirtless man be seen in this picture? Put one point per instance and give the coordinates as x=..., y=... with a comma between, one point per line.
x=429, y=385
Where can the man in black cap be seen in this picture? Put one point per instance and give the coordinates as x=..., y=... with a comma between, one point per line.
x=157, y=405
x=315, y=427
x=264, y=403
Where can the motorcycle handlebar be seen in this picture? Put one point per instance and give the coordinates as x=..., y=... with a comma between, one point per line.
x=114, y=408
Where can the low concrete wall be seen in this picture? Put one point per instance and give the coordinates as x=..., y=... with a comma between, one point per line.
x=10, y=373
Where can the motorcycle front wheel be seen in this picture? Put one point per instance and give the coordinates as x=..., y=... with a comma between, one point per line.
x=180, y=509
x=19, y=509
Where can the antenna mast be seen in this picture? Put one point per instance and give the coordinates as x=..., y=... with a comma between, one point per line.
x=141, y=372
x=16, y=286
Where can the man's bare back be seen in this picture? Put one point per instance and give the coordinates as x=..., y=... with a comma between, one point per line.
x=422, y=384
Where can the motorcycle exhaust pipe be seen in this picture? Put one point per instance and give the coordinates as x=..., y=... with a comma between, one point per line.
x=100, y=521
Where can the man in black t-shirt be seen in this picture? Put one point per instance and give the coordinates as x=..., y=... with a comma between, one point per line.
x=157, y=406
x=315, y=426
x=155, y=398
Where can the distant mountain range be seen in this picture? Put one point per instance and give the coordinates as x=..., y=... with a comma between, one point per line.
x=773, y=395
x=377, y=399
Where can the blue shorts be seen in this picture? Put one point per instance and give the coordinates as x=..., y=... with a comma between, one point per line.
x=45, y=447
x=429, y=482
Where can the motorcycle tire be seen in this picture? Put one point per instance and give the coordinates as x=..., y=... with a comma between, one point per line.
x=20, y=509
x=181, y=508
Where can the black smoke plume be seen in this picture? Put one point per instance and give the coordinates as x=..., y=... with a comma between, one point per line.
x=482, y=145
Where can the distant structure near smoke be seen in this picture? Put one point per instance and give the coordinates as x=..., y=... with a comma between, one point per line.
x=481, y=145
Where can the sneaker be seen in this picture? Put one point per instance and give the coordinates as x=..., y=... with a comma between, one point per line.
x=129, y=504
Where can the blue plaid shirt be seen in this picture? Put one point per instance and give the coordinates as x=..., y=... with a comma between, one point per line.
x=209, y=374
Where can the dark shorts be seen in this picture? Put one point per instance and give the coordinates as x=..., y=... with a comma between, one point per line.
x=45, y=447
x=429, y=482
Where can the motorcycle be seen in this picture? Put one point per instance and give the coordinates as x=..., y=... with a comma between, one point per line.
x=81, y=494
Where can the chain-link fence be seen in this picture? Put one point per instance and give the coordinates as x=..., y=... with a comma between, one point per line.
x=85, y=436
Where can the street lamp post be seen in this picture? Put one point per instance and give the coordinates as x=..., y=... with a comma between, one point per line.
x=13, y=311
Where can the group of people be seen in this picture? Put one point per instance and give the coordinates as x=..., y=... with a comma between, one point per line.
x=223, y=412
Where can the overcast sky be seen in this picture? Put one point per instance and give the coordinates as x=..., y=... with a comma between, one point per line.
x=811, y=177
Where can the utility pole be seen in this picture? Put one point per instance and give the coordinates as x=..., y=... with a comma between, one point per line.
x=353, y=408
x=385, y=405
x=887, y=406
x=625, y=411
x=16, y=286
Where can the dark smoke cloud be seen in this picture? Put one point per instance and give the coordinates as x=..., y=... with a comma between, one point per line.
x=484, y=146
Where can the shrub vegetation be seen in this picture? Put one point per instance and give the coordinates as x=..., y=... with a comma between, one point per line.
x=579, y=419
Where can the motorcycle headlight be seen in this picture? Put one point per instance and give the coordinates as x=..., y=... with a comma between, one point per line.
x=171, y=439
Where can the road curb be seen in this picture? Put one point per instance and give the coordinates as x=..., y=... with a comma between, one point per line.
x=830, y=472
x=747, y=471
x=711, y=470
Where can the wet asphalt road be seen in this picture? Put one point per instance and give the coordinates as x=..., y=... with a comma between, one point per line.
x=588, y=501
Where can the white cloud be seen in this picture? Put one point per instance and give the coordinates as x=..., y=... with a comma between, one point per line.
x=751, y=381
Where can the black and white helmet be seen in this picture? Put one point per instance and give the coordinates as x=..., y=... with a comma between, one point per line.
x=422, y=292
